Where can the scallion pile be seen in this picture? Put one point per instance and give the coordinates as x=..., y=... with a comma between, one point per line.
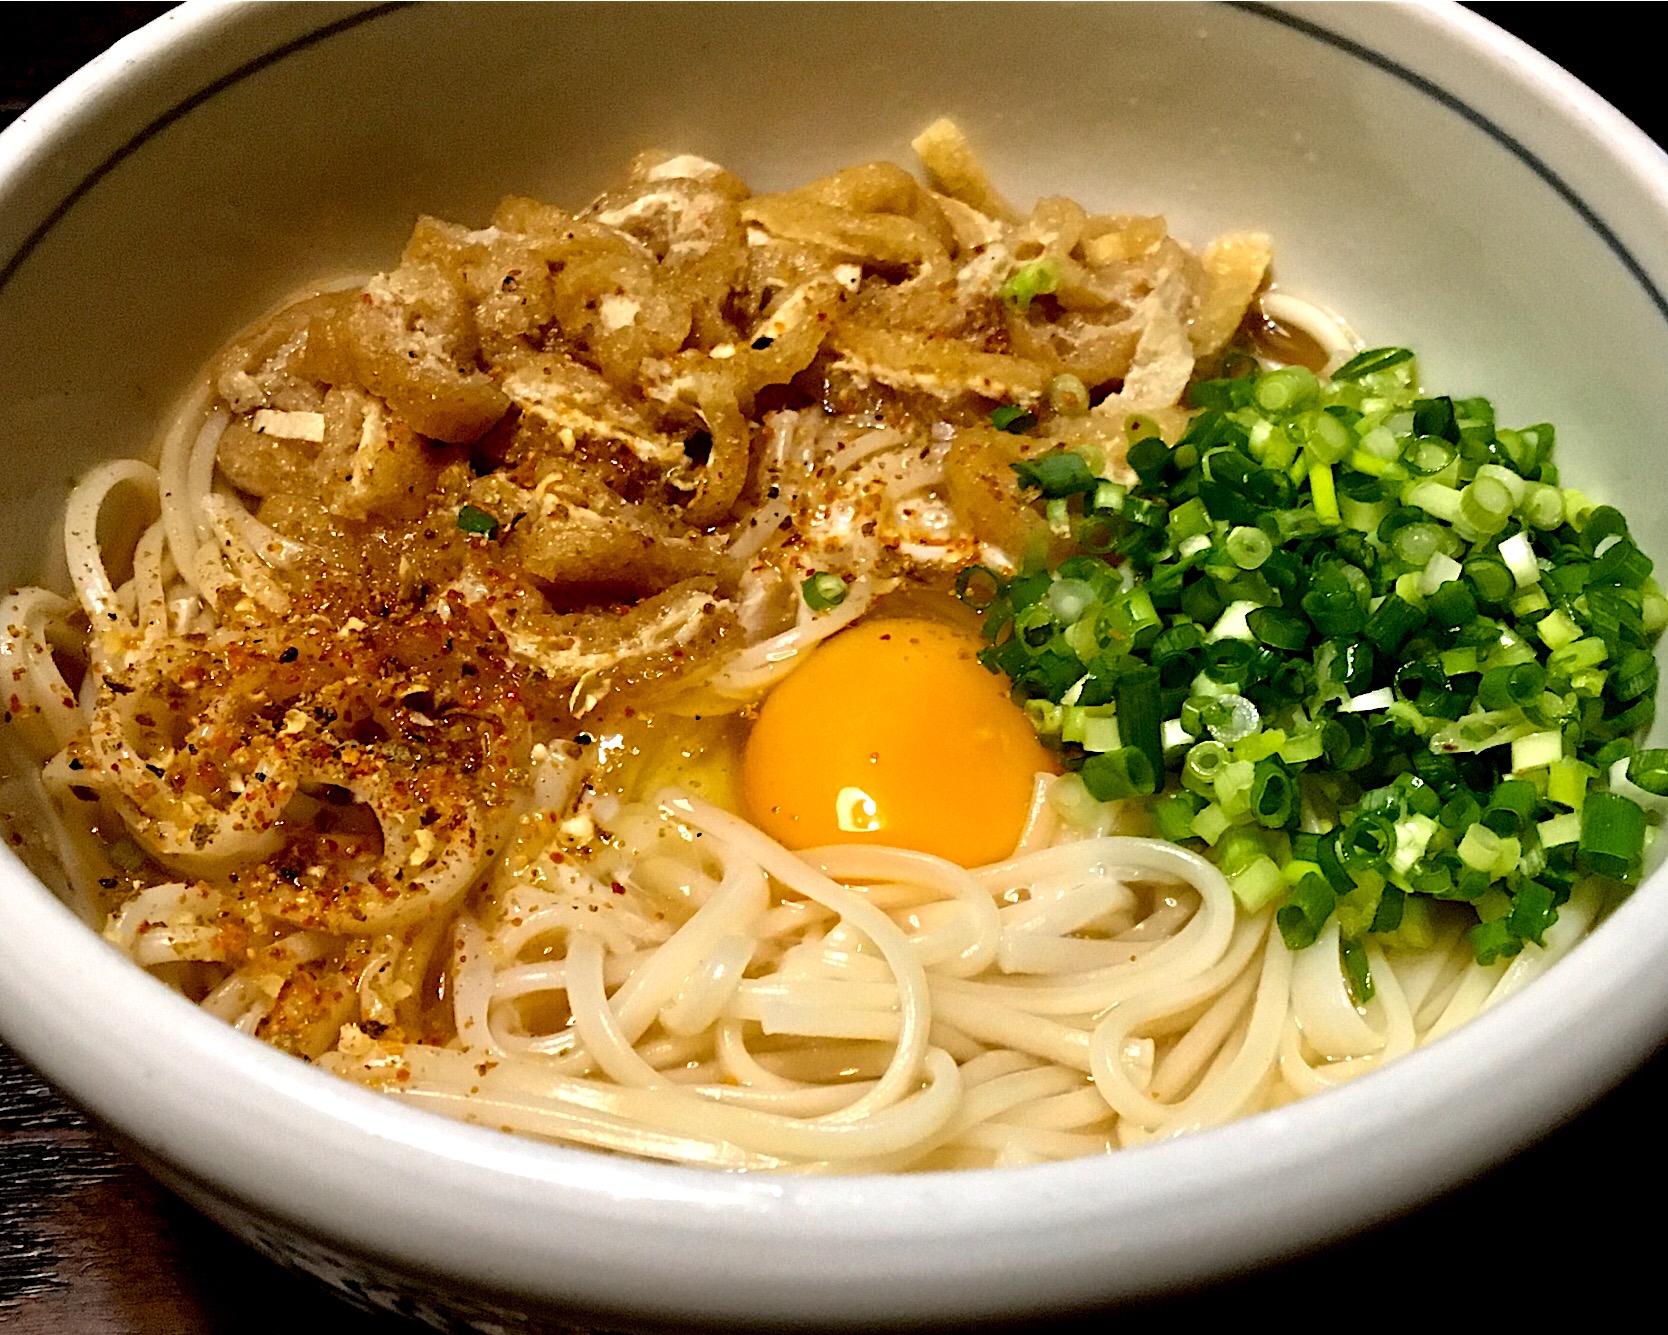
x=1359, y=644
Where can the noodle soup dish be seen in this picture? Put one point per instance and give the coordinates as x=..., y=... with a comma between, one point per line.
x=573, y=680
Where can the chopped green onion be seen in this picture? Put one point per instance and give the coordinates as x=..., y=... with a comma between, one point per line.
x=1028, y=282
x=1060, y=473
x=1426, y=456
x=1273, y=795
x=1492, y=940
x=1352, y=956
x=1392, y=906
x=1230, y=718
x=1510, y=807
x=979, y=587
x=1534, y=749
x=1366, y=844
x=1556, y=831
x=1392, y=622
x=1542, y=506
x=1533, y=911
x=1491, y=578
x=1485, y=505
x=1371, y=362
x=1174, y=816
x=1248, y=547
x=1204, y=761
x=1306, y=911
x=1416, y=543
x=1635, y=675
x=1604, y=521
x=1140, y=715
x=1350, y=602
x=823, y=590
x=1518, y=554
x=1126, y=772
x=477, y=522
x=1511, y=686
x=1068, y=395
x=127, y=855
x=1282, y=630
x=1012, y=418
x=1324, y=493
x=1257, y=884
x=1452, y=605
x=1649, y=770
x=1286, y=388
x=1612, y=839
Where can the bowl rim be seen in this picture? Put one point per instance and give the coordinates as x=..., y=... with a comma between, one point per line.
x=174, y=1078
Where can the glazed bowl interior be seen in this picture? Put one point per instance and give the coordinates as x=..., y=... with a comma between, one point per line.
x=1421, y=175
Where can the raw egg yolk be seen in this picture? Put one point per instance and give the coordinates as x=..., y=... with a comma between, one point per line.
x=894, y=733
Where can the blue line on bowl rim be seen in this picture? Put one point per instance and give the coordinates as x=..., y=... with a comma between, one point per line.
x=1455, y=104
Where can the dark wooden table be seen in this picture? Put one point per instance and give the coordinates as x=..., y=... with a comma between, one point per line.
x=88, y=1243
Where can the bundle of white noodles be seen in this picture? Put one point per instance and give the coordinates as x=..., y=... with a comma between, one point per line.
x=700, y=994
x=200, y=539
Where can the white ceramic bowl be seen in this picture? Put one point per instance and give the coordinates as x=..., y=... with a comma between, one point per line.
x=1433, y=180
